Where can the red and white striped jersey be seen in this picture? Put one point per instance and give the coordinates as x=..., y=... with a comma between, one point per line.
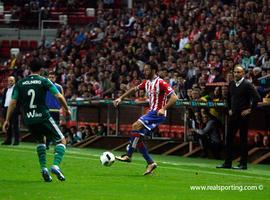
x=157, y=91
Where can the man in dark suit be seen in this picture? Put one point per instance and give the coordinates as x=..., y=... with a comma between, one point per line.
x=14, y=123
x=242, y=100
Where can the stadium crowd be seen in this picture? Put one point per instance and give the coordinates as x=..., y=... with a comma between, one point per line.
x=195, y=44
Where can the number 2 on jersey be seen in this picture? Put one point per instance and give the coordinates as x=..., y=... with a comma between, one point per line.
x=32, y=93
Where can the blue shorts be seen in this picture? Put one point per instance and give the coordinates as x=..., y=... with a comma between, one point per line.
x=151, y=120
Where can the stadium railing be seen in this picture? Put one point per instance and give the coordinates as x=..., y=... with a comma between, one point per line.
x=120, y=119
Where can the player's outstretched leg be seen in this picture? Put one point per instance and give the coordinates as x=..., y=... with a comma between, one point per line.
x=151, y=165
x=132, y=146
x=46, y=175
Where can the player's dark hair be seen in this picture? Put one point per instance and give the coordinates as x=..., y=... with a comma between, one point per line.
x=152, y=66
x=52, y=73
x=36, y=64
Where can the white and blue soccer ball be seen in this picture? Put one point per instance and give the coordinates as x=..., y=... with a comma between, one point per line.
x=107, y=158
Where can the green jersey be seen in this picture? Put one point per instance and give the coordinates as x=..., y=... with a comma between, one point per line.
x=31, y=92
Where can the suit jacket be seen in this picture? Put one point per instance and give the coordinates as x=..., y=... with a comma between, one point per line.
x=242, y=97
x=4, y=100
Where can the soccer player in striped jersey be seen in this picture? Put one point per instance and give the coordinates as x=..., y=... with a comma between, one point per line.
x=30, y=92
x=161, y=96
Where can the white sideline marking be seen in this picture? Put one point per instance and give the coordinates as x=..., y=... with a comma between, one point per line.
x=75, y=155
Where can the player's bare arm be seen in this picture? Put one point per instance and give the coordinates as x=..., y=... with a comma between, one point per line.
x=172, y=100
x=127, y=93
x=63, y=103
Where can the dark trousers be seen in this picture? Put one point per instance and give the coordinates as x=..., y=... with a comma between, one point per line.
x=237, y=122
x=207, y=144
x=13, y=129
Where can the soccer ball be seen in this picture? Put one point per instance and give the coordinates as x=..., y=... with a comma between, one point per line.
x=107, y=158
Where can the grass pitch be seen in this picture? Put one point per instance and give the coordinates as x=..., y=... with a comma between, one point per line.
x=86, y=178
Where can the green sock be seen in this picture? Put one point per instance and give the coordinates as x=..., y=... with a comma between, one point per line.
x=41, y=151
x=59, y=153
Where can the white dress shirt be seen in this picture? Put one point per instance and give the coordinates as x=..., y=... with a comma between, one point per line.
x=8, y=96
x=237, y=83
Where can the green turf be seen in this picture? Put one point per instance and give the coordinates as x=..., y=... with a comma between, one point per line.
x=86, y=178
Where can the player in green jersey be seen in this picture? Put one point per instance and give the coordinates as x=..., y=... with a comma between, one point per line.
x=30, y=93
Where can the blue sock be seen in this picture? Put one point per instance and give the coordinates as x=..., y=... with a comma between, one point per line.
x=144, y=151
x=133, y=143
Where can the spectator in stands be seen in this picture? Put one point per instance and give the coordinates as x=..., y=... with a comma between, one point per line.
x=219, y=77
x=101, y=130
x=209, y=136
x=195, y=93
x=266, y=99
x=266, y=62
x=224, y=93
x=189, y=94
x=13, y=62
x=15, y=12
x=75, y=135
x=13, y=130
x=94, y=129
x=79, y=38
x=258, y=140
x=266, y=142
x=229, y=77
x=243, y=98
x=87, y=132
x=182, y=91
x=256, y=74
x=99, y=36
x=216, y=97
x=71, y=6
x=44, y=13
x=194, y=121
x=216, y=94
x=106, y=84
